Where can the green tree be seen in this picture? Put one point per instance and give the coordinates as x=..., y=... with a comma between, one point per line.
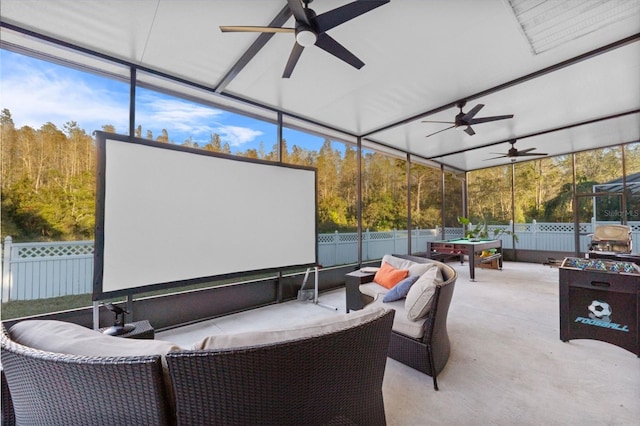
x=384, y=192
x=214, y=144
x=347, y=187
x=8, y=148
x=48, y=181
x=489, y=196
x=425, y=196
x=164, y=136
x=250, y=153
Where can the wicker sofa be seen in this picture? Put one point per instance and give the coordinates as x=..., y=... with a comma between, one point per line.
x=56, y=388
x=421, y=343
x=322, y=372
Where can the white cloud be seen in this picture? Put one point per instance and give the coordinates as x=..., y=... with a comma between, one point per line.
x=38, y=92
x=36, y=96
x=181, y=118
x=189, y=119
x=237, y=136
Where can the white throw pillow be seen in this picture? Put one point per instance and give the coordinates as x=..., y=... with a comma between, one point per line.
x=397, y=262
x=420, y=268
x=420, y=297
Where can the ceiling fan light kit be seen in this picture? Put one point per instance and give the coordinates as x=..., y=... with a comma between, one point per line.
x=305, y=37
x=311, y=30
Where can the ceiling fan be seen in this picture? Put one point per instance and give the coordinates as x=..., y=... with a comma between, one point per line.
x=466, y=119
x=310, y=29
x=513, y=152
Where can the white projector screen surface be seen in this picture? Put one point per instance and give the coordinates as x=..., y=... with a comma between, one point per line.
x=170, y=215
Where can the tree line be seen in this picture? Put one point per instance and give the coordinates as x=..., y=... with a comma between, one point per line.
x=48, y=184
x=544, y=188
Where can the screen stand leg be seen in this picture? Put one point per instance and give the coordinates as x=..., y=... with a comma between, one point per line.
x=96, y=315
x=315, y=295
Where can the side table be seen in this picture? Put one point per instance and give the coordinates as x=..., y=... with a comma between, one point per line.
x=143, y=330
x=352, y=281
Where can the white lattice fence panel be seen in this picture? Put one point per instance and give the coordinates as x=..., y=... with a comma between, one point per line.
x=452, y=233
x=555, y=227
x=348, y=237
x=337, y=248
x=33, y=251
x=327, y=238
x=372, y=236
x=44, y=270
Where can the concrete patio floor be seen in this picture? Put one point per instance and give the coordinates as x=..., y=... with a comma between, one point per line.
x=508, y=365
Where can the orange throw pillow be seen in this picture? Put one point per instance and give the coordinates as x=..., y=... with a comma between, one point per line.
x=388, y=276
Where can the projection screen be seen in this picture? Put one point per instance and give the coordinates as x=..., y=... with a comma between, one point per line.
x=168, y=215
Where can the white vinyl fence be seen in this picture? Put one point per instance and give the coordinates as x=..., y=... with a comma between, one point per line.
x=342, y=248
x=43, y=270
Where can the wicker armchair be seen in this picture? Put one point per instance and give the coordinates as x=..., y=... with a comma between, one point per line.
x=58, y=389
x=430, y=353
x=331, y=379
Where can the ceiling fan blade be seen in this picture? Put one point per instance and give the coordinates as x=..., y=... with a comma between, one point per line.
x=443, y=122
x=328, y=44
x=293, y=60
x=524, y=151
x=435, y=133
x=495, y=158
x=298, y=11
x=333, y=18
x=469, y=131
x=487, y=119
x=252, y=29
x=472, y=112
x=529, y=154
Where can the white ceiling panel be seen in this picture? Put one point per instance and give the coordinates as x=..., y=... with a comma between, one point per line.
x=576, y=139
x=579, y=93
x=110, y=27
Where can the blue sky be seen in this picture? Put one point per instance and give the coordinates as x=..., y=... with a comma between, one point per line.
x=37, y=92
